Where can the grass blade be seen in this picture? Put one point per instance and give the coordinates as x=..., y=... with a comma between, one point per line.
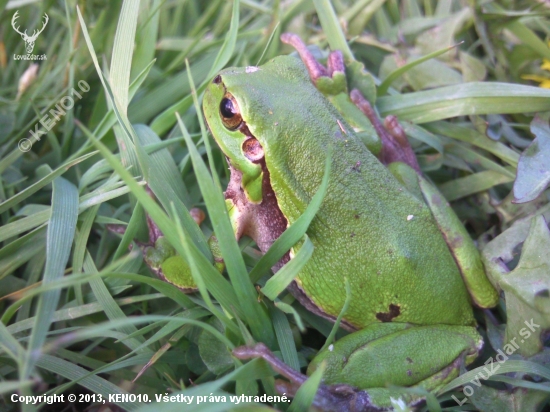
x=255, y=316
x=465, y=99
x=61, y=230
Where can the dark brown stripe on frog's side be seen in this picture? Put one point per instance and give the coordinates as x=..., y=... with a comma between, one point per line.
x=269, y=215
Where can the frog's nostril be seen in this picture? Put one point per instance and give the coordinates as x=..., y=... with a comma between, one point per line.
x=217, y=79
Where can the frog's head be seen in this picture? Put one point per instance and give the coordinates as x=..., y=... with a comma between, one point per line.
x=242, y=107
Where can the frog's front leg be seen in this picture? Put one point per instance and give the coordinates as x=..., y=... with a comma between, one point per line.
x=160, y=256
x=361, y=366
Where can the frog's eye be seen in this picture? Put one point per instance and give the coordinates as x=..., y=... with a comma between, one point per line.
x=230, y=113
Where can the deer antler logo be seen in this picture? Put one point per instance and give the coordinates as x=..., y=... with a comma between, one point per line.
x=29, y=40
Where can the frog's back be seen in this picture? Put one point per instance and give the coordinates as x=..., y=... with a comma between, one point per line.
x=368, y=229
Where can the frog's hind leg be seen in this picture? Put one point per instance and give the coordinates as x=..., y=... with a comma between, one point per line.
x=328, y=397
x=395, y=146
x=386, y=355
x=365, y=370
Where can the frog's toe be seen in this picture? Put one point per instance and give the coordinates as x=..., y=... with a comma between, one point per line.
x=335, y=63
x=315, y=69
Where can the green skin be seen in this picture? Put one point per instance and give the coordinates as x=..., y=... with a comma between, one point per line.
x=409, y=302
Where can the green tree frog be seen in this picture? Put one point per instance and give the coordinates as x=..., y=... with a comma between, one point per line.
x=413, y=270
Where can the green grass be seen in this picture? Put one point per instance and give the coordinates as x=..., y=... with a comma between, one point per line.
x=83, y=315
